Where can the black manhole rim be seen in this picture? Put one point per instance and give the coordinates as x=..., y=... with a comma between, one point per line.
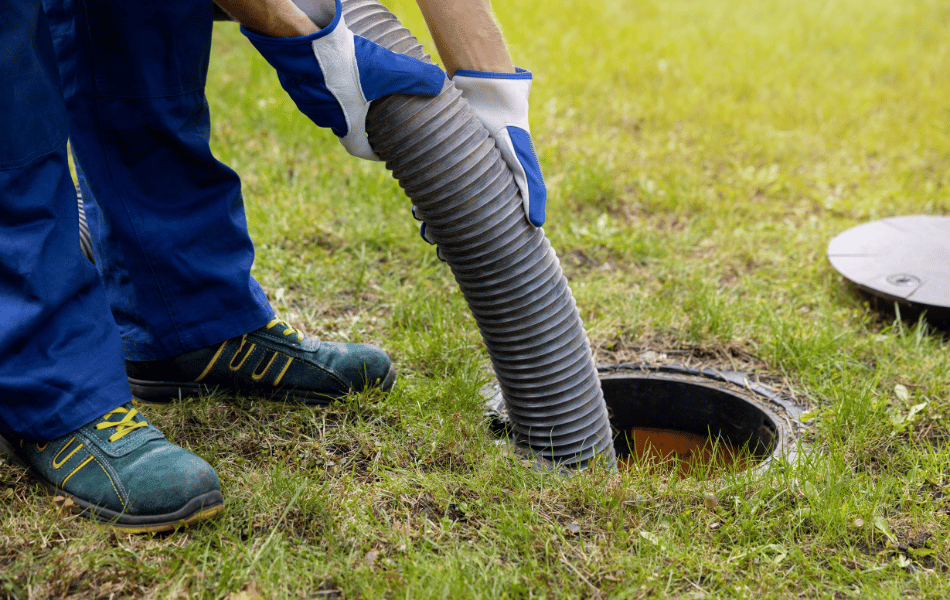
x=739, y=409
x=745, y=405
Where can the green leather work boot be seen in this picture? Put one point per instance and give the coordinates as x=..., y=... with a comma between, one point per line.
x=122, y=471
x=274, y=362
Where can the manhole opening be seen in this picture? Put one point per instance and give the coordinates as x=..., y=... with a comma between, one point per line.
x=698, y=422
x=669, y=422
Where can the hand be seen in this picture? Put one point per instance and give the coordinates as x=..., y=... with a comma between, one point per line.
x=422, y=233
x=500, y=100
x=349, y=72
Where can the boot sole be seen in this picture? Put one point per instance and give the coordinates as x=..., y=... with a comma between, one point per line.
x=199, y=508
x=166, y=392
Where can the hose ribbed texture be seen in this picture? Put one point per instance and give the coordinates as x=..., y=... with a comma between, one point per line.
x=449, y=166
x=85, y=240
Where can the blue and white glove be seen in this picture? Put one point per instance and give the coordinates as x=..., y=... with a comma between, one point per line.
x=422, y=233
x=349, y=72
x=500, y=100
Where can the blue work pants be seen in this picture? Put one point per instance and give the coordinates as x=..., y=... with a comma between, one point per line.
x=166, y=217
x=60, y=351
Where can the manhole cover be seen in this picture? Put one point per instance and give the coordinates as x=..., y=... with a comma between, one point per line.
x=901, y=259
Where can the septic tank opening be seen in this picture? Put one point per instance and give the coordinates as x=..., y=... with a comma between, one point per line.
x=696, y=421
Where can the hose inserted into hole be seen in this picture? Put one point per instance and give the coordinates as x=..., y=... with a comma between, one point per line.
x=448, y=165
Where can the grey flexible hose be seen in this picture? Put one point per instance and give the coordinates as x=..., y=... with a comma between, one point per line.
x=449, y=167
x=85, y=241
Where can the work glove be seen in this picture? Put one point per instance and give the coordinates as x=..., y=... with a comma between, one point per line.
x=422, y=232
x=332, y=75
x=500, y=100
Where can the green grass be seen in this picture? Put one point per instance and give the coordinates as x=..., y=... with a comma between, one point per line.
x=699, y=157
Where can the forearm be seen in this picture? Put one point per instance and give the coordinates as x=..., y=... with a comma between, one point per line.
x=466, y=35
x=281, y=18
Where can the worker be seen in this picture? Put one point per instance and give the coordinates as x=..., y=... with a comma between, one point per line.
x=173, y=309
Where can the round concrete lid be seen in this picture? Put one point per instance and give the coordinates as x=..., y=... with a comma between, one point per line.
x=900, y=259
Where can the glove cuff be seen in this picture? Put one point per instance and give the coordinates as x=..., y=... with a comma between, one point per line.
x=293, y=55
x=518, y=74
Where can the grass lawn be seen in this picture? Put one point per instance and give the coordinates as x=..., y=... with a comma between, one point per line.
x=699, y=158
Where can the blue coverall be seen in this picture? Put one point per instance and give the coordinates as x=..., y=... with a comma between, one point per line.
x=167, y=219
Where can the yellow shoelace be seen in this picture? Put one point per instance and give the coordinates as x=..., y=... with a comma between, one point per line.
x=123, y=426
x=288, y=330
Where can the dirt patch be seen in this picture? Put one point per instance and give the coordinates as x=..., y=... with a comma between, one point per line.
x=732, y=356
